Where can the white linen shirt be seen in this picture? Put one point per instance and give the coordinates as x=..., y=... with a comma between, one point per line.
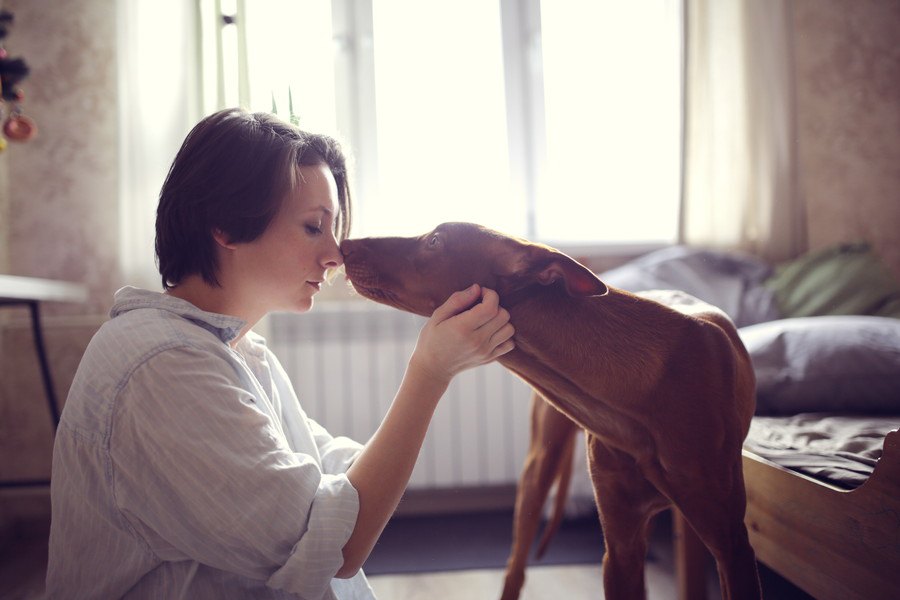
x=185, y=468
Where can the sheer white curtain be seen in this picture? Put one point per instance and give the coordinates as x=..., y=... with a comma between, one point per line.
x=740, y=186
x=158, y=104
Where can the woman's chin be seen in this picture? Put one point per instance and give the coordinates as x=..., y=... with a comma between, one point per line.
x=297, y=305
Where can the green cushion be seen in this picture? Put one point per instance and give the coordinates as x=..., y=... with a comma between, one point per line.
x=848, y=279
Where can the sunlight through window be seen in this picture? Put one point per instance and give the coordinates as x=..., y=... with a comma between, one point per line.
x=432, y=94
x=440, y=118
x=289, y=60
x=613, y=113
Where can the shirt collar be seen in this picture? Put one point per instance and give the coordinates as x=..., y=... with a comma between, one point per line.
x=130, y=298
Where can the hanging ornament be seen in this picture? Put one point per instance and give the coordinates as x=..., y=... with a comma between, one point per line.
x=16, y=127
x=19, y=128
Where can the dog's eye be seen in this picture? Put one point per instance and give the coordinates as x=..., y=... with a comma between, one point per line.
x=434, y=241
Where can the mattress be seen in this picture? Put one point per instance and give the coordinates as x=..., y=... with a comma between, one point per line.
x=838, y=449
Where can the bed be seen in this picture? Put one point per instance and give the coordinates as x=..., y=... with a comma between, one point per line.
x=828, y=541
x=822, y=459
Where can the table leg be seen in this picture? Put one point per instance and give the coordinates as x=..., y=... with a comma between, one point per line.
x=45, y=364
x=50, y=393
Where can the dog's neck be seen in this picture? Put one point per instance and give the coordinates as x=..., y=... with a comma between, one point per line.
x=588, y=356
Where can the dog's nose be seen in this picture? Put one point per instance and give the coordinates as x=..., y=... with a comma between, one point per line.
x=347, y=247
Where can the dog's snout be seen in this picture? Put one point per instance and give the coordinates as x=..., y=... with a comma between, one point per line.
x=347, y=247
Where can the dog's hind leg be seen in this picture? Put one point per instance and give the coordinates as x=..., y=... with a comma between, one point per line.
x=627, y=502
x=717, y=515
x=563, y=480
x=551, y=434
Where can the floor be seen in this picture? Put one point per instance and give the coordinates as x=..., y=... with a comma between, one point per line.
x=542, y=583
x=462, y=557
x=453, y=557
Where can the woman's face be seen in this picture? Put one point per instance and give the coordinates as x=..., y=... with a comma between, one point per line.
x=283, y=269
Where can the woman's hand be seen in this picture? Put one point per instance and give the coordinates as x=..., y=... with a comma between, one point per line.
x=459, y=336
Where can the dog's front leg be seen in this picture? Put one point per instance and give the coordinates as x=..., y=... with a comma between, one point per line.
x=627, y=502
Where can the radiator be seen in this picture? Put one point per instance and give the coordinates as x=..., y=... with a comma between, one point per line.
x=346, y=360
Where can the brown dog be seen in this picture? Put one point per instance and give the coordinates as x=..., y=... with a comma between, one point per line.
x=665, y=392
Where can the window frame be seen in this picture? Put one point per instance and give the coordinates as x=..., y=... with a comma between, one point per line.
x=353, y=39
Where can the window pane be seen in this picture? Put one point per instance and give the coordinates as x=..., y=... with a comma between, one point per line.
x=289, y=47
x=441, y=121
x=613, y=121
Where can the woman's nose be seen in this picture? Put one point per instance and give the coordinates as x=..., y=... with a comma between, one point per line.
x=333, y=258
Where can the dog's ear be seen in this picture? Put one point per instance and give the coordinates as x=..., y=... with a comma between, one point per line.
x=578, y=279
x=522, y=264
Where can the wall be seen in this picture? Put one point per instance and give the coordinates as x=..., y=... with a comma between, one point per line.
x=59, y=217
x=4, y=212
x=847, y=67
x=64, y=191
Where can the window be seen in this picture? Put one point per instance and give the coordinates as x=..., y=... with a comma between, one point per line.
x=555, y=120
x=612, y=97
x=440, y=118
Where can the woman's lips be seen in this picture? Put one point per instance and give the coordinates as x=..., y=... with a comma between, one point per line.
x=316, y=285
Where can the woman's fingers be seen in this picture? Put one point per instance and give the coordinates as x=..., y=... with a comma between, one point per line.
x=496, y=332
x=457, y=303
x=505, y=333
x=460, y=336
x=482, y=313
x=502, y=349
x=497, y=321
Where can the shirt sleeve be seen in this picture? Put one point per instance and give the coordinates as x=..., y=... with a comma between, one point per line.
x=201, y=472
x=337, y=453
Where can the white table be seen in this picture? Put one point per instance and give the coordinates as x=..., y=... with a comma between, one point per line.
x=30, y=292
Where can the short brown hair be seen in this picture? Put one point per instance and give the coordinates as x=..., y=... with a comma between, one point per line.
x=230, y=175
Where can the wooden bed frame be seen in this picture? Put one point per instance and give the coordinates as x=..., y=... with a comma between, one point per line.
x=833, y=544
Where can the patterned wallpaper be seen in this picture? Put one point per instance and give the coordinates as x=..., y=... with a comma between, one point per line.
x=847, y=67
x=4, y=213
x=63, y=184
x=58, y=218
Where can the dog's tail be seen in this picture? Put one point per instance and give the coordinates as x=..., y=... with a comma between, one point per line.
x=563, y=477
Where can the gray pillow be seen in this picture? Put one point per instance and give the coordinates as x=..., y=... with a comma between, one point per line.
x=731, y=281
x=826, y=364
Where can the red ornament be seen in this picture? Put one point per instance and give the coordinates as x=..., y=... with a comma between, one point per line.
x=19, y=128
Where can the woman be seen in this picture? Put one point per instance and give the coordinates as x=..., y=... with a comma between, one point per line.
x=184, y=465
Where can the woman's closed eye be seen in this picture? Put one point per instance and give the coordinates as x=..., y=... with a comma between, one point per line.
x=314, y=229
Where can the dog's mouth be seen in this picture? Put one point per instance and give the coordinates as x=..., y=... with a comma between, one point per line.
x=374, y=293
x=369, y=285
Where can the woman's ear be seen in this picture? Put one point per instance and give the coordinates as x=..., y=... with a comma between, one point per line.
x=223, y=240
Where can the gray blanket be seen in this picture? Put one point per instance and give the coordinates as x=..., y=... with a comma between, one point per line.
x=841, y=450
